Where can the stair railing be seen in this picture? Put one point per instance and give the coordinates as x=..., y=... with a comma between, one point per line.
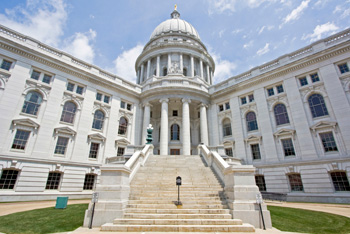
x=138, y=159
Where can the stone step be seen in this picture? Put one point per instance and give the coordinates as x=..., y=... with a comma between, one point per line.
x=178, y=221
x=176, y=216
x=172, y=206
x=195, y=201
x=171, y=193
x=177, y=211
x=174, y=198
x=177, y=228
x=173, y=188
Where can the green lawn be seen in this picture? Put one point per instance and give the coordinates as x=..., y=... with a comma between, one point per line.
x=47, y=220
x=307, y=221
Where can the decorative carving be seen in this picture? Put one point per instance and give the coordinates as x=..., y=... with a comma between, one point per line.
x=248, y=107
x=175, y=68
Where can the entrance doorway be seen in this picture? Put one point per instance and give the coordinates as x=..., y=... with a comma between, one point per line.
x=174, y=151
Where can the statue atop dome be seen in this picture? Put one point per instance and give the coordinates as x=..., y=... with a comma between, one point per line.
x=175, y=7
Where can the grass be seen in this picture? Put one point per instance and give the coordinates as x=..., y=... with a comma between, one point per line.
x=307, y=221
x=41, y=221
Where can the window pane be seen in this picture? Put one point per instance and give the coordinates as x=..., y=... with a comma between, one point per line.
x=317, y=106
x=314, y=77
x=175, y=132
x=53, y=180
x=255, y=151
x=47, y=79
x=20, y=140
x=288, y=147
x=221, y=107
x=80, y=90
x=340, y=181
x=128, y=107
x=6, y=65
x=303, y=81
x=70, y=87
x=251, y=98
x=89, y=181
x=260, y=182
x=228, y=152
x=122, y=105
x=99, y=118
x=94, y=150
x=270, y=92
x=120, y=151
x=61, y=145
x=99, y=96
x=227, y=105
x=251, y=121
x=328, y=142
x=8, y=178
x=281, y=114
x=296, y=185
x=35, y=75
x=68, y=112
x=32, y=103
x=227, y=129
x=343, y=68
x=106, y=99
x=280, y=89
x=123, y=125
x=243, y=100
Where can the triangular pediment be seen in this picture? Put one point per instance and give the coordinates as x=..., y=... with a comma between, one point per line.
x=97, y=136
x=26, y=122
x=122, y=141
x=324, y=124
x=284, y=131
x=253, y=138
x=228, y=142
x=65, y=130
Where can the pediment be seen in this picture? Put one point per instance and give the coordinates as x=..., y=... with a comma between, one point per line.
x=26, y=122
x=122, y=141
x=324, y=124
x=284, y=131
x=97, y=136
x=254, y=137
x=228, y=142
x=65, y=130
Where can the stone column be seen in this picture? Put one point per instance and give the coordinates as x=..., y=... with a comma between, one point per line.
x=141, y=76
x=192, y=66
x=201, y=67
x=186, y=132
x=138, y=76
x=148, y=69
x=208, y=73
x=169, y=62
x=158, y=66
x=146, y=121
x=181, y=63
x=164, y=127
x=211, y=77
x=204, y=124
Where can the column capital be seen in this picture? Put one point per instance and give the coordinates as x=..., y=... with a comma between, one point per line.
x=203, y=105
x=164, y=100
x=184, y=100
x=146, y=104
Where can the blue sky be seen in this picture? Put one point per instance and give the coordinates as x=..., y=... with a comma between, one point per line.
x=238, y=34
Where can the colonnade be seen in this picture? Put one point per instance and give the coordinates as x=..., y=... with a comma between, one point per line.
x=164, y=123
x=141, y=70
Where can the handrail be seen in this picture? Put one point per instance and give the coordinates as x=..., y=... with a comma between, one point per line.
x=138, y=159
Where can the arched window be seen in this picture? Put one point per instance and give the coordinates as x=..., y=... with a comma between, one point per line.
x=165, y=71
x=68, y=112
x=175, y=132
x=317, y=106
x=226, y=127
x=184, y=72
x=281, y=114
x=99, y=118
x=123, y=126
x=32, y=103
x=252, y=124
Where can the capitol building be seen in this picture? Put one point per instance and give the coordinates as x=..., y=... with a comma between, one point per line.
x=62, y=119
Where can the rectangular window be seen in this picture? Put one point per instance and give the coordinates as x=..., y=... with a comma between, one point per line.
x=343, y=68
x=61, y=145
x=221, y=107
x=106, y=99
x=228, y=152
x=70, y=87
x=243, y=100
x=270, y=92
x=80, y=90
x=35, y=75
x=227, y=105
x=227, y=130
x=296, y=185
x=340, y=181
x=174, y=112
x=251, y=98
x=255, y=151
x=122, y=105
x=120, y=151
x=328, y=142
x=8, y=178
x=94, y=150
x=303, y=81
x=47, y=79
x=280, y=89
x=314, y=78
x=128, y=107
x=99, y=96
x=20, y=140
x=6, y=65
x=288, y=147
x=89, y=181
x=260, y=182
x=53, y=180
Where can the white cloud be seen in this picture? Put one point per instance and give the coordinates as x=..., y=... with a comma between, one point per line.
x=42, y=20
x=320, y=31
x=263, y=50
x=223, y=68
x=219, y=6
x=236, y=31
x=263, y=28
x=125, y=63
x=80, y=45
x=296, y=13
x=249, y=44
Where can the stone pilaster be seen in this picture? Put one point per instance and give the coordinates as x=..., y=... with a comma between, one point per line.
x=204, y=124
x=158, y=66
x=141, y=75
x=181, y=63
x=169, y=61
x=164, y=127
x=208, y=74
x=192, y=66
x=148, y=69
x=201, y=67
x=186, y=135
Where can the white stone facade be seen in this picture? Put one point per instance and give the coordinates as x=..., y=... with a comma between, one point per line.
x=174, y=93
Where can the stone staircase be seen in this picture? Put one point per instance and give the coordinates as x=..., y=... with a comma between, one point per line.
x=153, y=195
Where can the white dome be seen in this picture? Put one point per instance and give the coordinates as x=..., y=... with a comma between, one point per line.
x=175, y=25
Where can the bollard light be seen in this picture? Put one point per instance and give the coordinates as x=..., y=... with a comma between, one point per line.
x=178, y=183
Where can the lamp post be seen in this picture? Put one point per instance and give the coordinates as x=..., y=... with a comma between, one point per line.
x=178, y=183
x=149, y=138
